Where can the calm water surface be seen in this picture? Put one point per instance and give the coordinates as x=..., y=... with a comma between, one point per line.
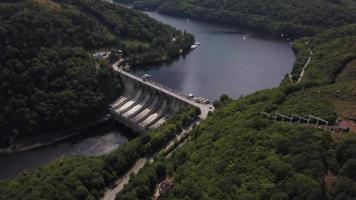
x=95, y=143
x=224, y=63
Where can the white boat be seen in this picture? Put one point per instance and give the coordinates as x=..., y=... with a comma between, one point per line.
x=191, y=95
x=146, y=76
x=244, y=37
x=194, y=46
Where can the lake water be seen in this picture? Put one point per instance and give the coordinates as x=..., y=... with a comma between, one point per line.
x=230, y=60
x=225, y=63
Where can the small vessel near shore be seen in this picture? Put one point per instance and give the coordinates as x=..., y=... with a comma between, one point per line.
x=195, y=45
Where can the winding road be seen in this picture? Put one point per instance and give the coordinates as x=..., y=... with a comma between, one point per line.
x=110, y=194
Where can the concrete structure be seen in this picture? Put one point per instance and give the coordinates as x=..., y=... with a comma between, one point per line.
x=146, y=104
x=311, y=120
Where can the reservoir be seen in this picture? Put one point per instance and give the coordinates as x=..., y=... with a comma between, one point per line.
x=231, y=61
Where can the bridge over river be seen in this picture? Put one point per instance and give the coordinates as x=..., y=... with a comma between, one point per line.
x=146, y=104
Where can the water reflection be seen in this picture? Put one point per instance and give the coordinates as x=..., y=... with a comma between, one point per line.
x=231, y=60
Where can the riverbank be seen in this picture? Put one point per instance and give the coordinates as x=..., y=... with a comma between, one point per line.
x=110, y=193
x=225, y=63
x=55, y=137
x=100, y=171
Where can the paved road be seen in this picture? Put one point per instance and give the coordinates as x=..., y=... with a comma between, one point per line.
x=203, y=107
x=110, y=194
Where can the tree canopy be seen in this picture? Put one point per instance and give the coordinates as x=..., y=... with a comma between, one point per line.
x=291, y=18
x=48, y=78
x=81, y=177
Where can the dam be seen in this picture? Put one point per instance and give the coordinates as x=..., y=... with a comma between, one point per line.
x=146, y=104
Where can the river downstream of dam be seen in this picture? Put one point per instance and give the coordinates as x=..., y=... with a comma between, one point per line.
x=231, y=61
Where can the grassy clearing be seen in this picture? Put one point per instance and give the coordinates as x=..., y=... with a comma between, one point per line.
x=135, y=44
x=349, y=72
x=346, y=109
x=49, y=3
x=328, y=101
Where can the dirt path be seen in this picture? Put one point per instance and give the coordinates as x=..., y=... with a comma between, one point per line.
x=305, y=66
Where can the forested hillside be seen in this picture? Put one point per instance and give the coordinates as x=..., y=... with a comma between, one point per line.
x=48, y=78
x=331, y=51
x=87, y=177
x=291, y=18
x=237, y=154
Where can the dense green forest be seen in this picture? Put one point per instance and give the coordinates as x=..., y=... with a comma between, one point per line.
x=238, y=154
x=291, y=18
x=235, y=153
x=86, y=178
x=48, y=79
x=331, y=51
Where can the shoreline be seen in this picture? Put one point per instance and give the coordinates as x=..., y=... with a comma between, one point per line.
x=274, y=33
x=64, y=134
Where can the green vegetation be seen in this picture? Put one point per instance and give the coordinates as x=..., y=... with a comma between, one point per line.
x=330, y=26
x=332, y=50
x=87, y=177
x=348, y=73
x=161, y=43
x=291, y=18
x=321, y=100
x=135, y=44
x=143, y=184
x=235, y=153
x=48, y=79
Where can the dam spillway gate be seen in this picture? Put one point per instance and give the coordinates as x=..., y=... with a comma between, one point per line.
x=145, y=104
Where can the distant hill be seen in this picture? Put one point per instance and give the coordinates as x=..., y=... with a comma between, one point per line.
x=294, y=18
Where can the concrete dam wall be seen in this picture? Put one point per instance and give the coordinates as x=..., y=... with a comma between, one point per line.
x=144, y=105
